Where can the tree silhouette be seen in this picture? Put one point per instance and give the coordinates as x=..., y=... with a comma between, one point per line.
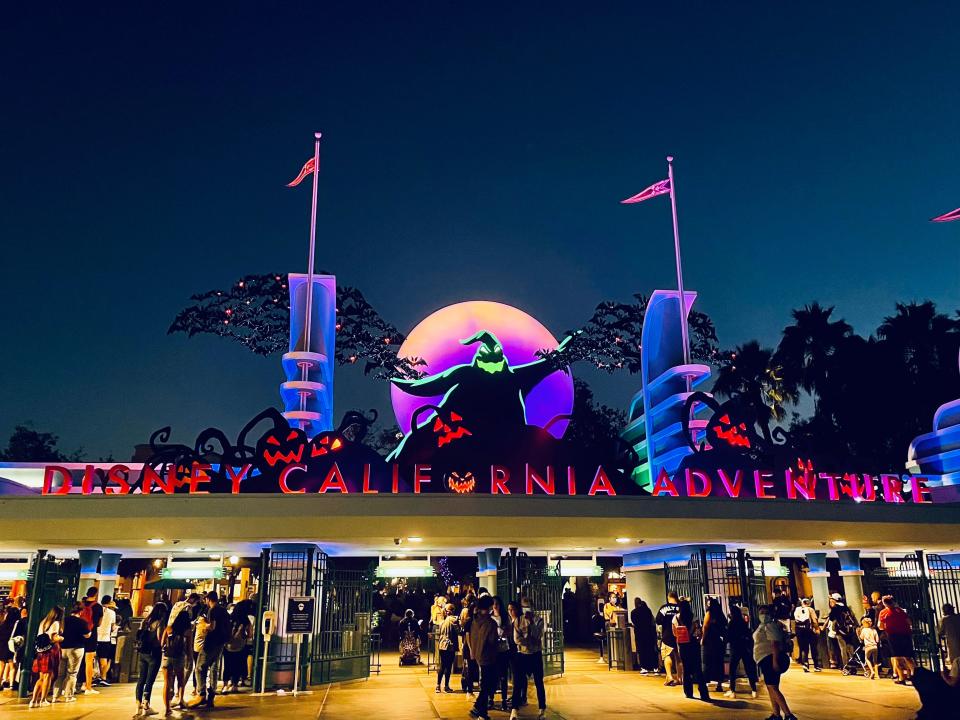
x=29, y=445
x=751, y=375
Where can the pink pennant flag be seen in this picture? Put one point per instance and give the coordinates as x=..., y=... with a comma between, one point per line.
x=306, y=170
x=947, y=217
x=659, y=188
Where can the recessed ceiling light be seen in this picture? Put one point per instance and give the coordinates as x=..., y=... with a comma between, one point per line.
x=214, y=557
x=234, y=559
x=414, y=538
x=190, y=550
x=155, y=541
x=839, y=543
x=623, y=541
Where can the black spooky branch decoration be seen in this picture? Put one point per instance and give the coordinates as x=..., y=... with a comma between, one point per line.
x=610, y=340
x=255, y=311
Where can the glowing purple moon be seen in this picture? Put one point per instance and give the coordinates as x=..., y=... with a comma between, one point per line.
x=437, y=338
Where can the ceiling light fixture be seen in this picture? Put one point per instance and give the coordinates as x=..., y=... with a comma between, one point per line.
x=623, y=540
x=155, y=541
x=839, y=543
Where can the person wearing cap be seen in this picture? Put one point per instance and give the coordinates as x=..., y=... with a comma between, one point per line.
x=807, y=626
x=843, y=628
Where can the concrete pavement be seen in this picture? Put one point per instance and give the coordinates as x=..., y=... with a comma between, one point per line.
x=588, y=690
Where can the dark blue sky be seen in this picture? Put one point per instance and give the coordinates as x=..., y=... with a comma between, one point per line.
x=469, y=153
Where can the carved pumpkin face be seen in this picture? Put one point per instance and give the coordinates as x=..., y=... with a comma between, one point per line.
x=462, y=483
x=728, y=430
x=282, y=446
x=325, y=443
x=450, y=430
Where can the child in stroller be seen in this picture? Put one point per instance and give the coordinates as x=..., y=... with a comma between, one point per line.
x=409, y=640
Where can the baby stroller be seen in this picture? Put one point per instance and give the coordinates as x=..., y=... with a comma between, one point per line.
x=410, y=648
x=857, y=664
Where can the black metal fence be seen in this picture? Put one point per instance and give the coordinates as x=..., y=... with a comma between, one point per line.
x=342, y=649
x=921, y=584
x=51, y=582
x=734, y=577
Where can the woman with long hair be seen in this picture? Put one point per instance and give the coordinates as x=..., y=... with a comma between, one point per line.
x=714, y=643
x=47, y=658
x=174, y=642
x=685, y=631
x=149, y=654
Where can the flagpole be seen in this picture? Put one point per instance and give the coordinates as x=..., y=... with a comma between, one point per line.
x=684, y=333
x=305, y=367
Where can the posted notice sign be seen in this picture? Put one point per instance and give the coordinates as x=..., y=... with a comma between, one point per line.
x=301, y=614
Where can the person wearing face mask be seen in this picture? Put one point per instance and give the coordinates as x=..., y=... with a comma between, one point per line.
x=772, y=655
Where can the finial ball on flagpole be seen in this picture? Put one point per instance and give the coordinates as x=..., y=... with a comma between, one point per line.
x=317, y=135
x=669, y=158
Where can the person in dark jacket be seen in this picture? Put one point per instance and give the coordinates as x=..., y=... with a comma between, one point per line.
x=645, y=636
x=483, y=648
x=740, y=637
x=714, y=643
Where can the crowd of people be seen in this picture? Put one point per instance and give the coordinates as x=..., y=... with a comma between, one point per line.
x=500, y=646
x=197, y=640
x=693, y=652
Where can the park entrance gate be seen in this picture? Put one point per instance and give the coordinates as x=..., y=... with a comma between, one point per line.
x=730, y=576
x=921, y=584
x=518, y=577
x=338, y=649
x=51, y=582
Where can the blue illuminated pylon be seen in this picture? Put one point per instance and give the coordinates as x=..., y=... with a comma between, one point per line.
x=308, y=392
x=938, y=452
x=655, y=419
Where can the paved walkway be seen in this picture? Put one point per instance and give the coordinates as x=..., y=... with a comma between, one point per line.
x=587, y=691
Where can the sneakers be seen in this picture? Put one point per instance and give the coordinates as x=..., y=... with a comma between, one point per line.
x=542, y=714
x=753, y=694
x=70, y=699
x=448, y=689
x=146, y=711
x=437, y=690
x=91, y=691
x=729, y=694
x=514, y=715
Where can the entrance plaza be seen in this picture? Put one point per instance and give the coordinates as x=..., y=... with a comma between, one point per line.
x=587, y=690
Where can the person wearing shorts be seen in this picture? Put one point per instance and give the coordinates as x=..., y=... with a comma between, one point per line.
x=668, y=643
x=871, y=646
x=772, y=658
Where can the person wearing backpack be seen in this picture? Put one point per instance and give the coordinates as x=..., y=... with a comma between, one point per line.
x=47, y=657
x=844, y=627
x=93, y=616
x=686, y=631
x=149, y=654
x=808, y=628
x=234, y=654
x=174, y=649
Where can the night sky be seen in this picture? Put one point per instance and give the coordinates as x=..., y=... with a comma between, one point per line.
x=468, y=153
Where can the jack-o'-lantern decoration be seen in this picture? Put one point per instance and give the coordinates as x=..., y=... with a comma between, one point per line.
x=731, y=432
x=282, y=446
x=325, y=443
x=449, y=430
x=461, y=483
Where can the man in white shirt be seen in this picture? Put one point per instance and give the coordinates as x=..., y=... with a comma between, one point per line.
x=106, y=649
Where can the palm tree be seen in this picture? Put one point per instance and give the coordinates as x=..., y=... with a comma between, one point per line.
x=924, y=336
x=752, y=376
x=809, y=347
